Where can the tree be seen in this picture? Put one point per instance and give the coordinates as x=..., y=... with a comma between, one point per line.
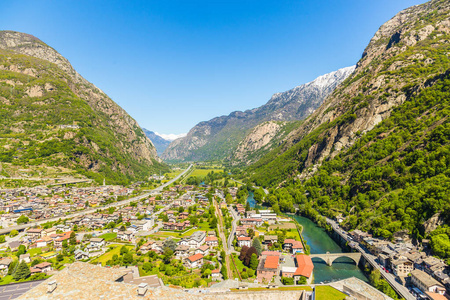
x=257, y=244
x=123, y=250
x=244, y=250
x=223, y=271
x=21, y=250
x=147, y=267
x=250, y=272
x=59, y=257
x=22, y=272
x=287, y=280
x=253, y=261
x=22, y=219
x=75, y=227
x=251, y=233
x=206, y=273
x=36, y=261
x=73, y=238
x=2, y=239
x=248, y=255
x=128, y=258
x=171, y=244
x=13, y=233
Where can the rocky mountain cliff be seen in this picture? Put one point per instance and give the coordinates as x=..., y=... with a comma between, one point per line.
x=159, y=142
x=52, y=116
x=218, y=138
x=377, y=152
x=404, y=54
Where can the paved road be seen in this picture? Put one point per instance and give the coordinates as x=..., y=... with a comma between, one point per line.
x=399, y=288
x=236, y=218
x=12, y=291
x=89, y=211
x=222, y=237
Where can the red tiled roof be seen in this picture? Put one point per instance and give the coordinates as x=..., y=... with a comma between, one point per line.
x=244, y=238
x=271, y=262
x=305, y=265
x=271, y=253
x=195, y=257
x=297, y=245
x=289, y=241
x=210, y=238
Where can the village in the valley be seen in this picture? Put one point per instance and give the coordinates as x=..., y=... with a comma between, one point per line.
x=197, y=236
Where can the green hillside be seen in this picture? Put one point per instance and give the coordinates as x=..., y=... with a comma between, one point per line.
x=37, y=104
x=395, y=176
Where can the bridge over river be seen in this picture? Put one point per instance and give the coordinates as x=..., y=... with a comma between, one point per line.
x=329, y=258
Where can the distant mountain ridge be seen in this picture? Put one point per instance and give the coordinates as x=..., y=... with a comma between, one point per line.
x=218, y=138
x=159, y=142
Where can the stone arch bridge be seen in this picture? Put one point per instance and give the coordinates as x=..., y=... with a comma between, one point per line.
x=329, y=258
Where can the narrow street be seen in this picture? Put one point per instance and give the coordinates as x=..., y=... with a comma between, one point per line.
x=223, y=238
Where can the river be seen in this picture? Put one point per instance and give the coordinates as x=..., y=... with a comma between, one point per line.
x=320, y=242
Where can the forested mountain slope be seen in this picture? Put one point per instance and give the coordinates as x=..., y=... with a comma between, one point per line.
x=218, y=138
x=378, y=150
x=53, y=117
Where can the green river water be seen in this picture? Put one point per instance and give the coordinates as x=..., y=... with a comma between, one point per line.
x=320, y=242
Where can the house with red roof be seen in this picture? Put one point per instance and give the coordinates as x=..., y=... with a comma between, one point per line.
x=293, y=246
x=267, y=268
x=305, y=267
x=212, y=241
x=215, y=275
x=194, y=261
x=244, y=241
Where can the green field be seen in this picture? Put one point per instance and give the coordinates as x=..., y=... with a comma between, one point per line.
x=34, y=251
x=109, y=236
x=204, y=172
x=108, y=255
x=173, y=174
x=325, y=292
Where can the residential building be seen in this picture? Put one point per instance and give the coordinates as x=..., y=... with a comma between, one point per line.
x=244, y=241
x=204, y=250
x=270, y=239
x=5, y=262
x=402, y=267
x=44, y=267
x=212, y=241
x=426, y=283
x=267, y=268
x=215, y=275
x=81, y=255
x=25, y=257
x=96, y=244
x=293, y=246
x=194, y=261
x=305, y=267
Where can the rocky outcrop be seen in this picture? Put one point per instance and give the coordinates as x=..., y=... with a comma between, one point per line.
x=385, y=77
x=218, y=138
x=259, y=137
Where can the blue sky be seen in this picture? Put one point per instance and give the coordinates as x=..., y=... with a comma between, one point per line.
x=171, y=64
